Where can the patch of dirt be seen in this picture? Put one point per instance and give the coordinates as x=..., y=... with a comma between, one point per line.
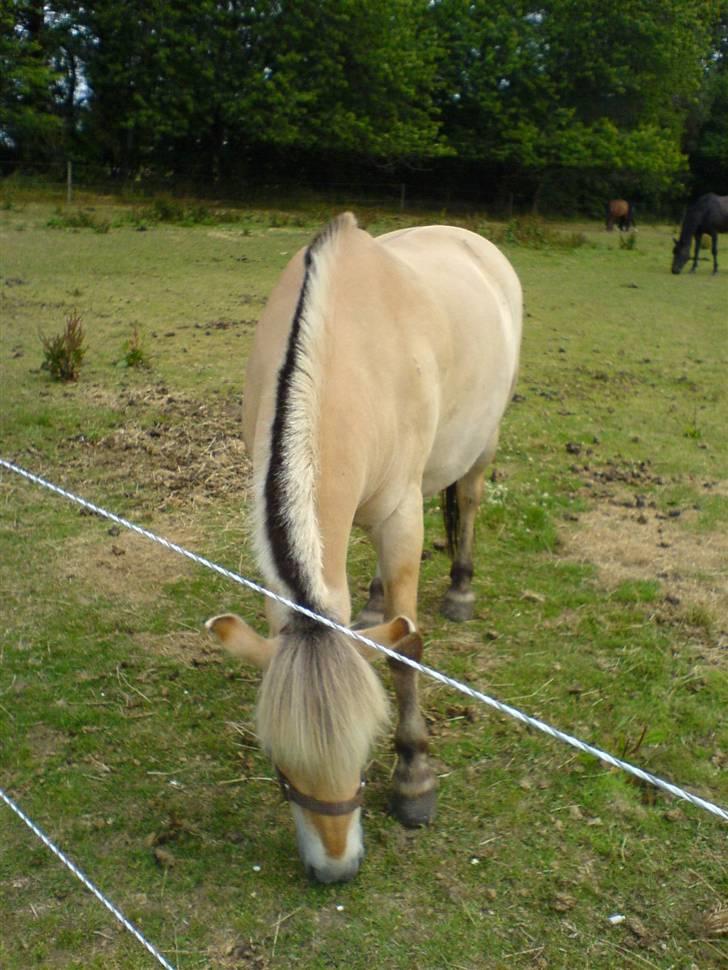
x=627, y=538
x=239, y=954
x=123, y=565
x=173, y=451
x=171, y=454
x=195, y=648
x=45, y=742
x=224, y=323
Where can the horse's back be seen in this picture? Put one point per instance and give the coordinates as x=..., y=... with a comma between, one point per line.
x=469, y=300
x=445, y=257
x=471, y=316
x=710, y=211
x=715, y=217
x=420, y=340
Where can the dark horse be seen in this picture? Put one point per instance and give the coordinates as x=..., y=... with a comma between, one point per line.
x=621, y=212
x=707, y=216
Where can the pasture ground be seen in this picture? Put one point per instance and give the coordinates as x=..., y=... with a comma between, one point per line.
x=602, y=574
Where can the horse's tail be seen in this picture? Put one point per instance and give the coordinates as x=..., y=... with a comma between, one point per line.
x=451, y=517
x=630, y=215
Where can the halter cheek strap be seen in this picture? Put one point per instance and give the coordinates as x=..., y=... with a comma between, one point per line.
x=292, y=794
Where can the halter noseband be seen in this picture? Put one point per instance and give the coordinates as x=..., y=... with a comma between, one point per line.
x=292, y=794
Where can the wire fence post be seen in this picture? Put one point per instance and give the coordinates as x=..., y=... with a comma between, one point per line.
x=69, y=181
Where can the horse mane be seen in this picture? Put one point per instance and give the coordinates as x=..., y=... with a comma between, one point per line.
x=693, y=218
x=320, y=706
x=287, y=531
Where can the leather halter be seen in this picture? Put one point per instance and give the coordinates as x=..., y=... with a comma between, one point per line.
x=292, y=794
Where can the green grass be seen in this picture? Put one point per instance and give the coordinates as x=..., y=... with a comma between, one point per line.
x=130, y=740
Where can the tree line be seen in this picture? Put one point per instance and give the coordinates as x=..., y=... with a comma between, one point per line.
x=555, y=104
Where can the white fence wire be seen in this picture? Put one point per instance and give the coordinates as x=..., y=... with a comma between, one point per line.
x=127, y=924
x=503, y=708
x=471, y=692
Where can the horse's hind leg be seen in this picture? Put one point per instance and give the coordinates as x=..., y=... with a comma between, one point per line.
x=464, y=498
x=372, y=612
x=714, y=250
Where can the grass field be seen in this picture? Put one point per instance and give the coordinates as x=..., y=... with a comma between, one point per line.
x=602, y=577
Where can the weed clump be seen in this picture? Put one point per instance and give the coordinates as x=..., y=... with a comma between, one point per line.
x=80, y=219
x=64, y=353
x=134, y=353
x=166, y=209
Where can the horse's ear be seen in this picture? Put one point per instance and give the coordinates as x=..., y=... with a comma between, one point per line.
x=388, y=634
x=241, y=640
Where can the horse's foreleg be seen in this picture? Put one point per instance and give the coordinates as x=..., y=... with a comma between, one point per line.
x=399, y=546
x=695, y=257
x=714, y=249
x=414, y=794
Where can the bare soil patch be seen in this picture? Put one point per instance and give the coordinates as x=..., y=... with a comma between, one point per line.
x=171, y=455
x=175, y=452
x=122, y=566
x=628, y=538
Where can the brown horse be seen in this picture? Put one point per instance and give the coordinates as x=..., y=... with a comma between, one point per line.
x=706, y=217
x=380, y=371
x=621, y=212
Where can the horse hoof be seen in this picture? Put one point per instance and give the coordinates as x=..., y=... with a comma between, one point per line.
x=414, y=813
x=368, y=618
x=458, y=606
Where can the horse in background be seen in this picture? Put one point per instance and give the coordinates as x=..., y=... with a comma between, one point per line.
x=621, y=212
x=706, y=217
x=379, y=374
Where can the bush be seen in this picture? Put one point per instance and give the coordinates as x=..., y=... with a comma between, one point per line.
x=80, y=219
x=533, y=233
x=64, y=353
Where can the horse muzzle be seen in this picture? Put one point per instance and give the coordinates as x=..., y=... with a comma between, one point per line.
x=329, y=833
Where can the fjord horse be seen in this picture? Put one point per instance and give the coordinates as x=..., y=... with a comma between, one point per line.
x=708, y=216
x=379, y=374
x=621, y=212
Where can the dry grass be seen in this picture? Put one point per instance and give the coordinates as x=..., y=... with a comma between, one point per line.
x=628, y=543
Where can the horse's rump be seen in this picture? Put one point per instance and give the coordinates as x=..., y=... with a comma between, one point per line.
x=620, y=211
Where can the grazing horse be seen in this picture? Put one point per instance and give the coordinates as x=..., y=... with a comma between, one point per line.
x=621, y=212
x=708, y=216
x=379, y=374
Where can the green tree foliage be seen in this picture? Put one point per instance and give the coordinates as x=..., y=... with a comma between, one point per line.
x=28, y=123
x=343, y=75
x=351, y=75
x=146, y=71
x=708, y=141
x=598, y=85
x=570, y=97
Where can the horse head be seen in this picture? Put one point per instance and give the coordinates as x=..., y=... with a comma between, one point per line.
x=320, y=709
